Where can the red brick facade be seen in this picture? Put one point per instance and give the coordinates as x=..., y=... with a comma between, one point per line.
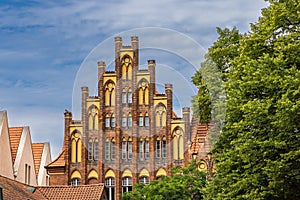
x=127, y=134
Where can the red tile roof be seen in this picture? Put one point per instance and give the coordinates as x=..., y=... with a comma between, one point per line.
x=15, y=136
x=82, y=192
x=37, y=149
x=200, y=143
x=15, y=190
x=59, y=161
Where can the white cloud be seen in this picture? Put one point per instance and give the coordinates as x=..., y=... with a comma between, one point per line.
x=43, y=44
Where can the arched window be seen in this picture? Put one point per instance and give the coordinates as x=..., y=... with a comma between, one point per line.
x=124, y=120
x=143, y=92
x=110, y=188
x=126, y=184
x=110, y=94
x=161, y=116
x=126, y=63
x=124, y=96
x=76, y=147
x=93, y=118
x=129, y=120
x=146, y=120
x=178, y=144
x=141, y=120
x=75, y=178
x=129, y=97
x=107, y=121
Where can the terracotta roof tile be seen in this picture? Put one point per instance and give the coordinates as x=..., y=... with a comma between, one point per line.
x=15, y=190
x=59, y=161
x=82, y=192
x=200, y=143
x=37, y=149
x=15, y=136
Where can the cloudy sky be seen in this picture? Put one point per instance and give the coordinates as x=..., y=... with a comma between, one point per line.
x=46, y=47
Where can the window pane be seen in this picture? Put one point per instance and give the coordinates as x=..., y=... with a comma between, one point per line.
x=124, y=119
x=146, y=121
x=129, y=150
x=141, y=121
x=123, y=150
x=107, y=123
x=144, y=180
x=124, y=97
x=164, y=148
x=129, y=100
x=90, y=151
x=113, y=122
x=157, y=148
x=96, y=151
x=113, y=154
x=129, y=121
x=141, y=149
x=147, y=150
x=107, y=153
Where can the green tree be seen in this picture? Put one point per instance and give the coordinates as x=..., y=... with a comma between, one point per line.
x=258, y=153
x=185, y=183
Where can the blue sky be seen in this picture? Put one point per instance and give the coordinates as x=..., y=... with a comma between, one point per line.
x=43, y=45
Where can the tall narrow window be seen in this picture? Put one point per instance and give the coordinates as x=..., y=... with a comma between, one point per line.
x=141, y=149
x=130, y=149
x=164, y=148
x=124, y=97
x=129, y=120
x=158, y=150
x=124, y=149
x=113, y=124
x=146, y=120
x=124, y=120
x=113, y=152
x=107, y=121
x=147, y=150
x=107, y=150
x=129, y=97
x=76, y=147
x=160, y=116
x=110, y=185
x=126, y=67
x=110, y=94
x=96, y=150
x=141, y=120
x=90, y=150
x=126, y=184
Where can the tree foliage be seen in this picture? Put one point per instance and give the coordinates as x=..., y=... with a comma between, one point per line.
x=258, y=151
x=185, y=183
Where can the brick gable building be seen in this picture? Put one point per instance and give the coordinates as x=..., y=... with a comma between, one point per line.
x=127, y=134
